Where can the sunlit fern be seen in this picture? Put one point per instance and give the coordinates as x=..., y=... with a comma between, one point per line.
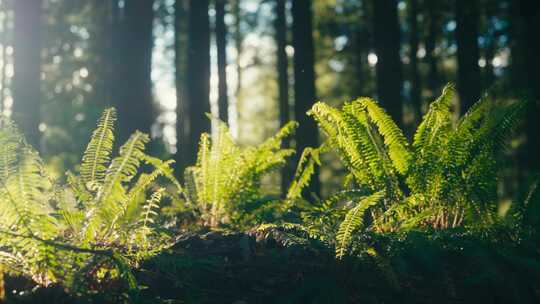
x=445, y=178
x=225, y=183
x=100, y=218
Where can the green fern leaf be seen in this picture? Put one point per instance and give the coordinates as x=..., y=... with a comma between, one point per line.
x=98, y=152
x=394, y=139
x=353, y=221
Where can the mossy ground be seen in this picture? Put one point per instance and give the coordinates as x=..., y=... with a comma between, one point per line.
x=242, y=268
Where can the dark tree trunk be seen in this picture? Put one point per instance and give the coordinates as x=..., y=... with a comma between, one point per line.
x=434, y=29
x=283, y=81
x=387, y=44
x=221, y=44
x=198, y=75
x=106, y=16
x=490, y=11
x=416, y=86
x=304, y=81
x=469, y=86
x=361, y=48
x=27, y=66
x=108, y=50
x=528, y=65
x=183, y=119
x=134, y=101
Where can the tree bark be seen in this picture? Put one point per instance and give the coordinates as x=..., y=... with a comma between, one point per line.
x=361, y=49
x=133, y=92
x=433, y=82
x=304, y=81
x=527, y=15
x=198, y=75
x=388, y=69
x=416, y=86
x=280, y=25
x=181, y=10
x=105, y=13
x=469, y=86
x=221, y=44
x=27, y=66
x=490, y=10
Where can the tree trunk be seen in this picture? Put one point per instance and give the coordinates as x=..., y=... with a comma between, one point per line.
x=221, y=44
x=198, y=75
x=469, y=86
x=27, y=66
x=106, y=47
x=361, y=48
x=283, y=82
x=490, y=11
x=528, y=15
x=434, y=29
x=416, y=86
x=134, y=101
x=181, y=9
x=388, y=69
x=304, y=81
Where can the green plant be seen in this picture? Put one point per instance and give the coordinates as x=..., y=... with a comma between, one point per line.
x=95, y=227
x=225, y=184
x=446, y=177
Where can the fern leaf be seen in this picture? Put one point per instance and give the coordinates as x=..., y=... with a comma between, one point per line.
x=353, y=221
x=306, y=168
x=436, y=120
x=124, y=167
x=99, y=149
x=112, y=197
x=148, y=209
x=394, y=139
x=10, y=142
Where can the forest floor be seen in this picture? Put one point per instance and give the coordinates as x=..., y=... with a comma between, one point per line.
x=246, y=268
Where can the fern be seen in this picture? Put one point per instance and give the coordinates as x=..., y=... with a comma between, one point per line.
x=100, y=220
x=304, y=171
x=444, y=178
x=395, y=141
x=148, y=214
x=226, y=180
x=354, y=220
x=9, y=145
x=99, y=150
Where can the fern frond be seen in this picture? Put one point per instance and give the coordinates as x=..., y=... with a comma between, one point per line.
x=98, y=152
x=369, y=145
x=124, y=167
x=112, y=197
x=163, y=168
x=309, y=159
x=436, y=120
x=354, y=220
x=226, y=179
x=10, y=142
x=346, y=132
x=275, y=141
x=203, y=169
x=395, y=141
x=148, y=214
x=58, y=233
